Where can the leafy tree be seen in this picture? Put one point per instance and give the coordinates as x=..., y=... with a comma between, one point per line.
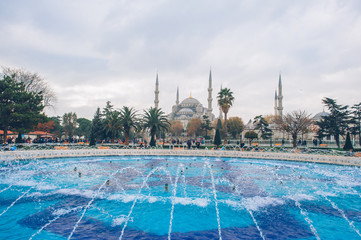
x=225, y=101
x=295, y=123
x=128, y=120
x=156, y=121
x=113, y=125
x=250, y=135
x=33, y=83
x=219, y=124
x=356, y=121
x=108, y=109
x=97, y=129
x=206, y=125
x=92, y=141
x=69, y=124
x=262, y=126
x=176, y=128
x=217, y=136
x=84, y=127
x=58, y=129
x=194, y=127
x=19, y=110
x=336, y=123
x=235, y=126
x=348, y=144
x=46, y=126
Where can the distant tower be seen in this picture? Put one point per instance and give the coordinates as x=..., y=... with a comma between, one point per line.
x=220, y=109
x=276, y=100
x=177, y=100
x=280, y=97
x=156, y=100
x=210, y=89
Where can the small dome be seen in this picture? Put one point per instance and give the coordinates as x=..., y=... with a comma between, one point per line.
x=319, y=116
x=190, y=100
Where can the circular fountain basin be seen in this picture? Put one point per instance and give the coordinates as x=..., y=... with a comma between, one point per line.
x=168, y=197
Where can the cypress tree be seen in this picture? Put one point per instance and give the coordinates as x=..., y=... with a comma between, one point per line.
x=97, y=126
x=217, y=138
x=348, y=144
x=336, y=123
x=92, y=138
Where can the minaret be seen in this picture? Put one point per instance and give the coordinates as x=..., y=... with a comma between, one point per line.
x=280, y=97
x=220, y=109
x=177, y=99
x=210, y=89
x=276, y=99
x=156, y=100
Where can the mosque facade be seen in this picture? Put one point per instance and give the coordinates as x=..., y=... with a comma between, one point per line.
x=190, y=107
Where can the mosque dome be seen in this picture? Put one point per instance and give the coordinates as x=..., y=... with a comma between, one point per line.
x=319, y=116
x=190, y=101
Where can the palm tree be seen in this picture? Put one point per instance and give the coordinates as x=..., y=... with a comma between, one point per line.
x=225, y=101
x=112, y=124
x=128, y=119
x=155, y=120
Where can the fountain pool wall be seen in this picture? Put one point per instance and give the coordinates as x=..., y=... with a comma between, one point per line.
x=176, y=197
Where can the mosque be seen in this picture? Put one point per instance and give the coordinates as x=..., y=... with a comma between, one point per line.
x=190, y=107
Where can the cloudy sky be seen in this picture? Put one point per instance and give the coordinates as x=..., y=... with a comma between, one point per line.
x=93, y=51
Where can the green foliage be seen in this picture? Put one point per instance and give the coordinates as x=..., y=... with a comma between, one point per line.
x=336, y=123
x=206, y=125
x=235, y=126
x=348, y=144
x=262, y=126
x=33, y=83
x=219, y=124
x=156, y=121
x=19, y=110
x=250, y=135
x=217, y=138
x=97, y=126
x=69, y=124
x=92, y=139
x=84, y=127
x=128, y=120
x=112, y=125
x=225, y=101
x=108, y=109
x=110, y=122
x=58, y=129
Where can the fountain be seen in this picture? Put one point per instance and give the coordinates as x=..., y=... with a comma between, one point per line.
x=170, y=197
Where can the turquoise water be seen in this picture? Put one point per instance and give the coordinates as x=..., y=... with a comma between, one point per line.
x=207, y=198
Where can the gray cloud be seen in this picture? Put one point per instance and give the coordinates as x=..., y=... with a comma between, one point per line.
x=94, y=51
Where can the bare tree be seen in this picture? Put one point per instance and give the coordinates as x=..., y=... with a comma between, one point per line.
x=295, y=123
x=33, y=83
